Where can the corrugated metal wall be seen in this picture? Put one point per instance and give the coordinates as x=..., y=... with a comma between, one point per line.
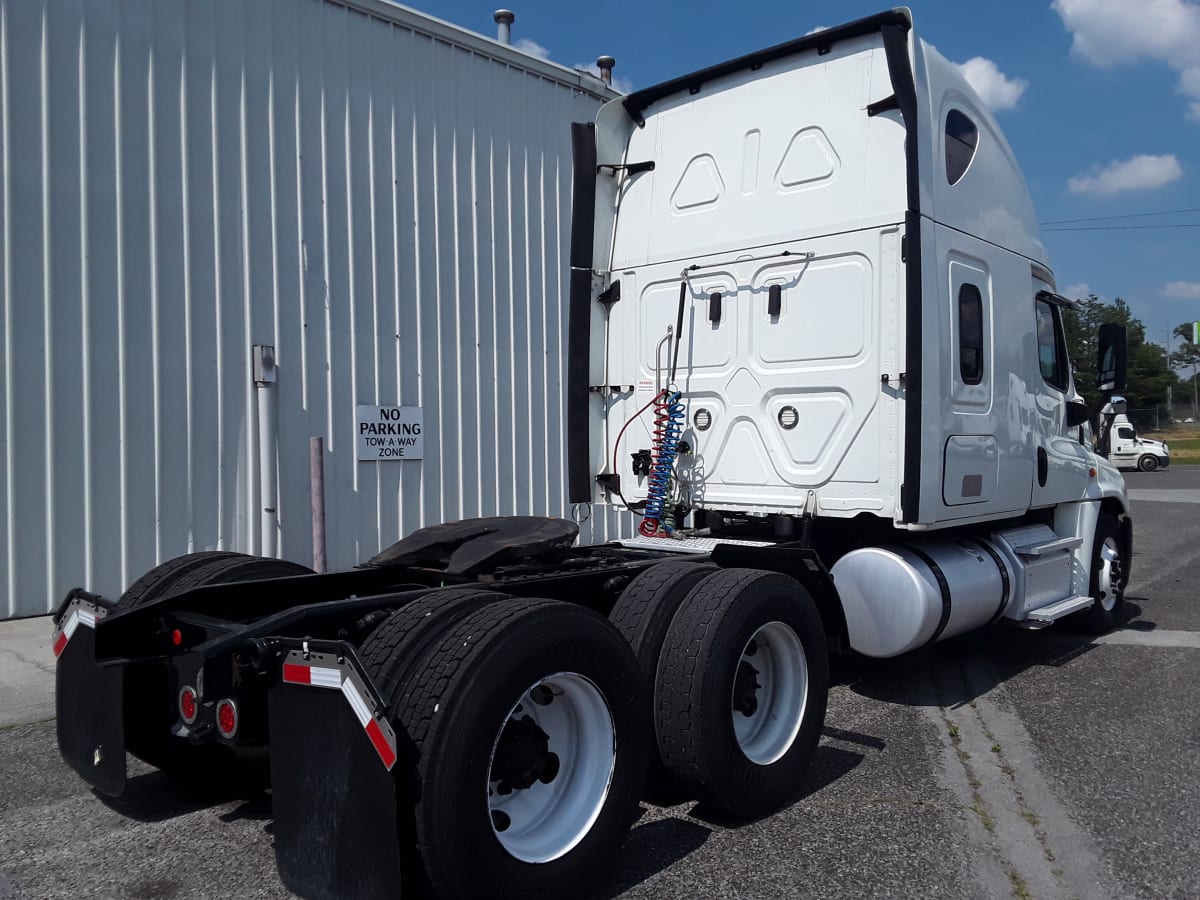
x=381, y=197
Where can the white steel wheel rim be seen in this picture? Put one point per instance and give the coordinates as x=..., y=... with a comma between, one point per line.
x=544, y=821
x=1106, y=582
x=776, y=655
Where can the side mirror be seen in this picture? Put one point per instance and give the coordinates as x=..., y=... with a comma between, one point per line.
x=1111, y=353
x=1077, y=413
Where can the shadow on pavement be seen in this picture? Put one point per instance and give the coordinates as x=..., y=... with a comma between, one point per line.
x=650, y=848
x=975, y=662
x=827, y=766
x=156, y=797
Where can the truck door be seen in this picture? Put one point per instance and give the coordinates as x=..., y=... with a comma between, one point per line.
x=1124, y=445
x=1061, y=461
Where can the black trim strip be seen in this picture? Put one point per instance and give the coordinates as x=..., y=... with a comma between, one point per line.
x=579, y=316
x=943, y=586
x=1006, y=586
x=639, y=101
x=895, y=45
x=1056, y=299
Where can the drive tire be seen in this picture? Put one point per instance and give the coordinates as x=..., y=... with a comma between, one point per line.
x=159, y=580
x=455, y=711
x=698, y=672
x=1109, y=573
x=643, y=614
x=400, y=644
x=1148, y=463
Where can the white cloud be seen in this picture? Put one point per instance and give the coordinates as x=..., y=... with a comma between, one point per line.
x=1077, y=291
x=624, y=85
x=994, y=88
x=1108, y=32
x=1138, y=173
x=533, y=48
x=1182, y=290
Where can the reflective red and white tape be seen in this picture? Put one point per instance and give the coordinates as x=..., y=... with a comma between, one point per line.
x=77, y=616
x=383, y=741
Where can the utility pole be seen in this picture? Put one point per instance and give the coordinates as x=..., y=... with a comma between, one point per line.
x=1170, y=371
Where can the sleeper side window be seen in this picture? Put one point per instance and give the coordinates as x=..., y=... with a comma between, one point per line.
x=1052, y=347
x=970, y=334
x=962, y=137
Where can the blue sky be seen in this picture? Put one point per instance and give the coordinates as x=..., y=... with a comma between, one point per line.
x=1100, y=100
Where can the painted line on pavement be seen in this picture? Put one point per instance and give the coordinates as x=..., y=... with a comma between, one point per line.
x=1166, y=495
x=1163, y=637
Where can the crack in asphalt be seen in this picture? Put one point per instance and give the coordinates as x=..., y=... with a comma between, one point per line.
x=36, y=663
x=1027, y=843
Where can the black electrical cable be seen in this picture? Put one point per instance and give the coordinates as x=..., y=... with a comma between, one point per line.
x=1121, y=227
x=1139, y=215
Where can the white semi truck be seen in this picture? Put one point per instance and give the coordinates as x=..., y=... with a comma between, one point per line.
x=817, y=350
x=1118, y=441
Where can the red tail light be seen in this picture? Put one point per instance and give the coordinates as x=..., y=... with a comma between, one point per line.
x=188, y=707
x=227, y=718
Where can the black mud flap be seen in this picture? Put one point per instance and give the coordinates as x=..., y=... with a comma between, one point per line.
x=333, y=754
x=88, y=701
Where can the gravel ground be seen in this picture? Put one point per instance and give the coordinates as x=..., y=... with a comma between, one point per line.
x=1003, y=764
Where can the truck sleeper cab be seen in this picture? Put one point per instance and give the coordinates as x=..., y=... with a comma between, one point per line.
x=810, y=316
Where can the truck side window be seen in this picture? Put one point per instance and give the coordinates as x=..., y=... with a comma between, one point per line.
x=961, y=139
x=1052, y=347
x=970, y=334
x=1125, y=433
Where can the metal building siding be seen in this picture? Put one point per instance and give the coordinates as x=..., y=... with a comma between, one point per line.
x=380, y=196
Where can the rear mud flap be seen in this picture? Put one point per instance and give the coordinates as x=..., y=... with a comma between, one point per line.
x=88, y=702
x=332, y=786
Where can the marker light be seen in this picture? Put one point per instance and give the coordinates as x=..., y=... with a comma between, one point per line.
x=227, y=718
x=188, y=707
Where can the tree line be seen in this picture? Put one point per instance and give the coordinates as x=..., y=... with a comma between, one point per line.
x=1150, y=378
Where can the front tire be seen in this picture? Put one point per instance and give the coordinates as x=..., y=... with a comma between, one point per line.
x=530, y=719
x=1109, y=574
x=741, y=690
x=1148, y=463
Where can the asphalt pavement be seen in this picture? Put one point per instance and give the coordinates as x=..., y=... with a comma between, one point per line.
x=1001, y=764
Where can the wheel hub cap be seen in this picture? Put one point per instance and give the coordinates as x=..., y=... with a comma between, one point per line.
x=1109, y=576
x=770, y=693
x=551, y=765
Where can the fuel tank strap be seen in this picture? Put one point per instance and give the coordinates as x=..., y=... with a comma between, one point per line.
x=943, y=587
x=1005, y=587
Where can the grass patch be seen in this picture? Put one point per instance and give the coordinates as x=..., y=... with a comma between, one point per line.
x=1183, y=441
x=1019, y=888
x=981, y=811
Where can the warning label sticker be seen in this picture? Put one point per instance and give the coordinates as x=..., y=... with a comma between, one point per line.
x=389, y=432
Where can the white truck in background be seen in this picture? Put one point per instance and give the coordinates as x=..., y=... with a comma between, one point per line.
x=1119, y=442
x=815, y=345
